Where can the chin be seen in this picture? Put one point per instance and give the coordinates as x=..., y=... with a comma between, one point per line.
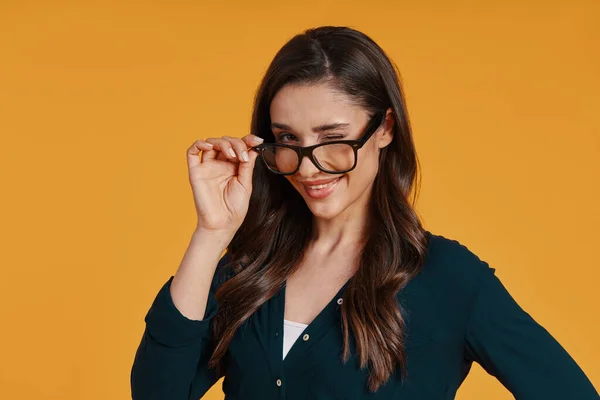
x=325, y=204
x=324, y=210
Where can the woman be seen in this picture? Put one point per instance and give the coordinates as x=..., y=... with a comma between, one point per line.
x=330, y=287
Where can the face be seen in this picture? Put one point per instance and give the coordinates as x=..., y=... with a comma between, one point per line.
x=303, y=108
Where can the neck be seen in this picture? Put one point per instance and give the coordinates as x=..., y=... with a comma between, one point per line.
x=347, y=230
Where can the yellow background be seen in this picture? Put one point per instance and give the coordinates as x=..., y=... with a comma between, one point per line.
x=99, y=101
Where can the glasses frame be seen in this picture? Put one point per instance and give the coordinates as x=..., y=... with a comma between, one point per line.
x=374, y=124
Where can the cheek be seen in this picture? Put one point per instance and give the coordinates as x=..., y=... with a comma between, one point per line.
x=365, y=171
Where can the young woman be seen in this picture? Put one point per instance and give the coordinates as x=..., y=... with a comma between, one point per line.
x=330, y=287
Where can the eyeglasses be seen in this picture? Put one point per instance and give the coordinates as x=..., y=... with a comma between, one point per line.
x=334, y=157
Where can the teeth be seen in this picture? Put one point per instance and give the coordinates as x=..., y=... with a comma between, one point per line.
x=323, y=186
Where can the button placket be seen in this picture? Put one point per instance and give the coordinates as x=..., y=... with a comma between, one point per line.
x=321, y=325
x=276, y=348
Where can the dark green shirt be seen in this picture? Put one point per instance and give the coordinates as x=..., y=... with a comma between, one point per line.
x=457, y=312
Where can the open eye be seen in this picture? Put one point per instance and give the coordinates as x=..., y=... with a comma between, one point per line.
x=286, y=137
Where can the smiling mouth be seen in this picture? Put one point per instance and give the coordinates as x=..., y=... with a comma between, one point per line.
x=322, y=186
x=321, y=190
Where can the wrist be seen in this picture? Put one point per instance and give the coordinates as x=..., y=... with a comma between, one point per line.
x=217, y=239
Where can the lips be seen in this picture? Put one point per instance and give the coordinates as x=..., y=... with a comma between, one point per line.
x=319, y=189
x=318, y=183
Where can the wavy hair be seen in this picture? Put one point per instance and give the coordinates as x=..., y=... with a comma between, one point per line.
x=395, y=241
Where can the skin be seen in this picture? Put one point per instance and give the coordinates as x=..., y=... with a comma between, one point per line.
x=339, y=219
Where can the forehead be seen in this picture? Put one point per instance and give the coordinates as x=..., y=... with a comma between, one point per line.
x=305, y=106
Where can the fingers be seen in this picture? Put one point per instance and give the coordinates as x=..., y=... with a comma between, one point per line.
x=246, y=169
x=194, y=150
x=225, y=148
x=252, y=140
x=240, y=149
x=234, y=149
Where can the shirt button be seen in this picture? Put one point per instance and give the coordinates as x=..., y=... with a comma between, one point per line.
x=305, y=337
x=278, y=382
x=340, y=300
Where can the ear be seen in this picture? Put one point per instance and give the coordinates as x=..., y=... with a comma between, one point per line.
x=386, y=134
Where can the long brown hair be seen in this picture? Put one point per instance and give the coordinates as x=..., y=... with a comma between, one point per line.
x=268, y=245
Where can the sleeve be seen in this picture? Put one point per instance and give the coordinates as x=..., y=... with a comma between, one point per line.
x=510, y=345
x=171, y=361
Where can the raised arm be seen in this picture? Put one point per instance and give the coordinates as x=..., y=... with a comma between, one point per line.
x=171, y=361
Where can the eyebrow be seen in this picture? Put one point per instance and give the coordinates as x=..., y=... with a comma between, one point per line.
x=316, y=129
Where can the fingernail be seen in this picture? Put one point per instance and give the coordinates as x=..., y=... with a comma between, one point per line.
x=209, y=144
x=231, y=152
x=258, y=139
x=245, y=156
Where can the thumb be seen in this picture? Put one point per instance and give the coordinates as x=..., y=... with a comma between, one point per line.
x=246, y=169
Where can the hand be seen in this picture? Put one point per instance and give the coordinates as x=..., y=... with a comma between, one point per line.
x=221, y=179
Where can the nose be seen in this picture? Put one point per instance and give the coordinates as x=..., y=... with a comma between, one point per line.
x=307, y=168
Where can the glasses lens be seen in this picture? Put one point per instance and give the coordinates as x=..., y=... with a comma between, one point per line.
x=335, y=157
x=280, y=159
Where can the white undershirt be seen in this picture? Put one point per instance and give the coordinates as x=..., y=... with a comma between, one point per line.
x=291, y=331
